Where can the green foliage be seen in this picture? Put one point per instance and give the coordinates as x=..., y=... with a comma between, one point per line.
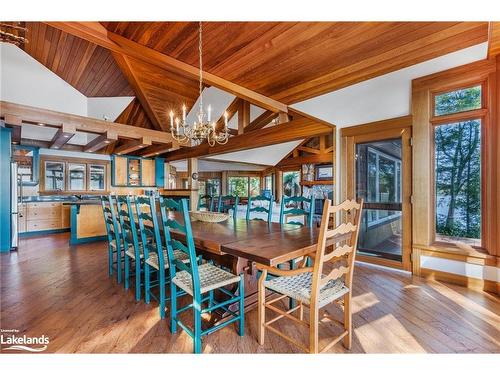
x=458, y=101
x=291, y=187
x=458, y=179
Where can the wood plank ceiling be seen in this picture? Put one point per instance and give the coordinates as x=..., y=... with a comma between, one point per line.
x=294, y=61
x=287, y=61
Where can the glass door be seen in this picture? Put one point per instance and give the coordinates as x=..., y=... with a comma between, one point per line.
x=378, y=170
x=378, y=182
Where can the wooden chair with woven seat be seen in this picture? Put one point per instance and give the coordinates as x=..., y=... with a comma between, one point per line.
x=260, y=209
x=134, y=252
x=317, y=287
x=208, y=203
x=227, y=203
x=155, y=253
x=115, y=244
x=200, y=281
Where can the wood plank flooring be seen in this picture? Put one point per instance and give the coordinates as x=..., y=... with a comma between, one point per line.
x=64, y=292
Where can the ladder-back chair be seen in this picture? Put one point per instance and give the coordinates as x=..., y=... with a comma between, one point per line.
x=317, y=286
x=115, y=245
x=228, y=202
x=209, y=203
x=198, y=280
x=297, y=210
x=260, y=209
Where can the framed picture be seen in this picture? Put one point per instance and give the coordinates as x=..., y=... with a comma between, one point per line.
x=324, y=172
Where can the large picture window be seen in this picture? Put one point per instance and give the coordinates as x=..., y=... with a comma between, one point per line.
x=244, y=186
x=457, y=162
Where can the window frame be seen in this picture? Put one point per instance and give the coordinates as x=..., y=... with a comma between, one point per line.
x=481, y=114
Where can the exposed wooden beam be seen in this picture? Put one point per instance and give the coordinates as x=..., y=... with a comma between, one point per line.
x=96, y=33
x=15, y=123
x=243, y=116
x=493, y=39
x=101, y=141
x=308, y=149
x=35, y=116
x=155, y=150
x=63, y=135
x=261, y=121
x=283, y=117
x=309, y=159
x=291, y=131
x=126, y=67
x=133, y=145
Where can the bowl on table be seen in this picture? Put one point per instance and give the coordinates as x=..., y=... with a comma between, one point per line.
x=209, y=217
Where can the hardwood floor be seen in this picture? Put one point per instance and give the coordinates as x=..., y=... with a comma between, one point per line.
x=64, y=293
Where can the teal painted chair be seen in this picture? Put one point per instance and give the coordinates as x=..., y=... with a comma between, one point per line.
x=115, y=245
x=199, y=281
x=134, y=253
x=155, y=254
x=260, y=208
x=228, y=202
x=298, y=209
x=208, y=205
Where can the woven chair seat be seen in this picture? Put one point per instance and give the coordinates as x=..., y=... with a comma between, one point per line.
x=211, y=277
x=153, y=258
x=298, y=287
x=131, y=253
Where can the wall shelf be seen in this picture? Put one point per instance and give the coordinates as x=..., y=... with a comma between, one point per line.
x=318, y=182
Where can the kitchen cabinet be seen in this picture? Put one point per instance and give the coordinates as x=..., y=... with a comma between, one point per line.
x=133, y=171
x=41, y=216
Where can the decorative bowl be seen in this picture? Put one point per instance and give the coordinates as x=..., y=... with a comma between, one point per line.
x=209, y=217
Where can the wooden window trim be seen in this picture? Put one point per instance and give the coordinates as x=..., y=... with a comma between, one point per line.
x=424, y=89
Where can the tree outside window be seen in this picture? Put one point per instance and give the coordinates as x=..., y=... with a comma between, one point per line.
x=458, y=168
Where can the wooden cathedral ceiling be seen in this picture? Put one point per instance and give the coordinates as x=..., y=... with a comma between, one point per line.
x=286, y=61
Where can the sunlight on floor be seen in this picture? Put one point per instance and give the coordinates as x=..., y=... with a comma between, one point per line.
x=363, y=301
x=387, y=335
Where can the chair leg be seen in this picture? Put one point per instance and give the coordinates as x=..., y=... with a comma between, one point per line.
x=211, y=298
x=119, y=264
x=347, y=341
x=301, y=311
x=173, y=307
x=138, y=279
x=291, y=303
x=262, y=307
x=313, y=329
x=161, y=283
x=241, y=330
x=197, y=325
x=147, y=283
x=110, y=260
x=127, y=271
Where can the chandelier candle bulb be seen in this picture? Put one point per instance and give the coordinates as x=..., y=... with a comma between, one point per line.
x=184, y=112
x=225, y=119
x=171, y=119
x=209, y=113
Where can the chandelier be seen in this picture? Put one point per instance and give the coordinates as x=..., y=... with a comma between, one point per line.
x=203, y=128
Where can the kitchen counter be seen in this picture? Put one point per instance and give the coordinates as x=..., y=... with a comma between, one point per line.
x=87, y=221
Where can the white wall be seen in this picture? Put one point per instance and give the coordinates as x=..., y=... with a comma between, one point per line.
x=24, y=80
x=382, y=97
x=108, y=108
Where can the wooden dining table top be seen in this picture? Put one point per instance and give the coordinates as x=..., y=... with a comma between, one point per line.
x=257, y=241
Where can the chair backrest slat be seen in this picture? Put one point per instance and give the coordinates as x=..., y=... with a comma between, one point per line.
x=149, y=228
x=110, y=220
x=260, y=209
x=299, y=208
x=127, y=222
x=179, y=236
x=344, y=238
x=209, y=202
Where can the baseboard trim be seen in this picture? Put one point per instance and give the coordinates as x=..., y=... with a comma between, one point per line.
x=468, y=282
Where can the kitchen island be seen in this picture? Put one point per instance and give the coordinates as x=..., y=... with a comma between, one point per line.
x=86, y=221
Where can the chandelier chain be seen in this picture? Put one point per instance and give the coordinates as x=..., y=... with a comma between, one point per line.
x=200, y=51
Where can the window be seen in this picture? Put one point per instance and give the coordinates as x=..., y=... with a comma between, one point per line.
x=254, y=186
x=291, y=184
x=54, y=176
x=457, y=174
x=213, y=187
x=238, y=186
x=384, y=184
x=457, y=101
x=76, y=176
x=97, y=177
x=268, y=182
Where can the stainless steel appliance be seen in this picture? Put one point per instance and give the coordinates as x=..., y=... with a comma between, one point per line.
x=14, y=205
